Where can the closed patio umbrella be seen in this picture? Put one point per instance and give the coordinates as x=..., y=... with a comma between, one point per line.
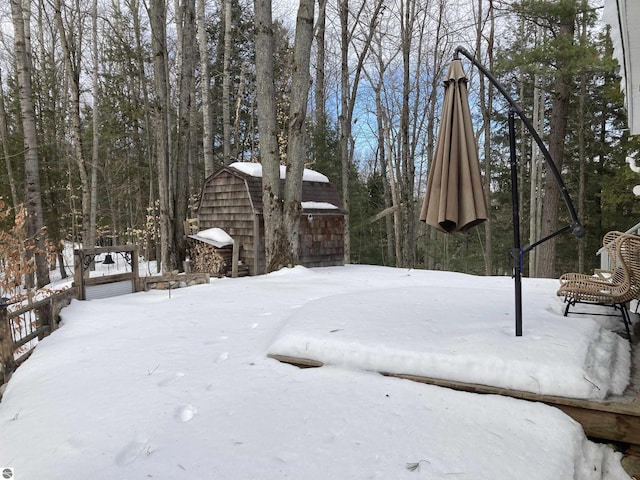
x=455, y=200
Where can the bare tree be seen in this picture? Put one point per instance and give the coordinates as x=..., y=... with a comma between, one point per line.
x=319, y=87
x=205, y=89
x=185, y=134
x=95, y=152
x=226, y=85
x=297, y=133
x=436, y=69
x=558, y=129
x=158, y=16
x=71, y=43
x=4, y=138
x=33, y=204
x=383, y=130
x=348, y=91
x=486, y=106
x=535, y=190
x=273, y=216
x=281, y=211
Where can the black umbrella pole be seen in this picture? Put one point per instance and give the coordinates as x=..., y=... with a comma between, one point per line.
x=515, y=205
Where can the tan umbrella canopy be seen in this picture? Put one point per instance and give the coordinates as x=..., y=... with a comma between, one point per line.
x=455, y=201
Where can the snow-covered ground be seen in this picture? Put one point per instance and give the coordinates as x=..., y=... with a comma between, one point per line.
x=162, y=386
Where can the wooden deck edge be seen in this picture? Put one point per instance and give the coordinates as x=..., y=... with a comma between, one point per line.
x=618, y=422
x=295, y=361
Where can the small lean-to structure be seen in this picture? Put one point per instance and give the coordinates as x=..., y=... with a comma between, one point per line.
x=231, y=200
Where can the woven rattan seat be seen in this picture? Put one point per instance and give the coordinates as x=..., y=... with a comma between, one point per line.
x=615, y=288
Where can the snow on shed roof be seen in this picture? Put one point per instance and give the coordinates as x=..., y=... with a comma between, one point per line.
x=255, y=170
x=319, y=206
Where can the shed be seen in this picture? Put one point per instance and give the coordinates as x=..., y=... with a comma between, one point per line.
x=231, y=199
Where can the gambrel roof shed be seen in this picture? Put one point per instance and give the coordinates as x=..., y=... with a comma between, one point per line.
x=231, y=199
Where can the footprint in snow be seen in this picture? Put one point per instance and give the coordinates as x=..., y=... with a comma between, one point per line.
x=185, y=413
x=132, y=451
x=223, y=357
x=170, y=379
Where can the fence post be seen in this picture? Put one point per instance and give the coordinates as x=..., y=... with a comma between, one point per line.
x=235, y=256
x=44, y=318
x=7, y=362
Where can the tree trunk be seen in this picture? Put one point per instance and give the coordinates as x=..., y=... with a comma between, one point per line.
x=348, y=98
x=486, y=106
x=152, y=207
x=319, y=92
x=395, y=196
x=226, y=86
x=558, y=130
x=535, y=199
x=345, y=122
x=205, y=86
x=237, y=144
x=72, y=59
x=582, y=126
x=582, y=159
x=93, y=208
x=157, y=15
x=4, y=138
x=33, y=204
x=384, y=173
x=186, y=85
x=437, y=68
x=407, y=200
x=297, y=135
x=275, y=250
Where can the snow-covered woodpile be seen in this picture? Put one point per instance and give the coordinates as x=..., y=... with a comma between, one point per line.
x=211, y=251
x=206, y=258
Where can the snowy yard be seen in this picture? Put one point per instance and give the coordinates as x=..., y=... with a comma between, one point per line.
x=179, y=385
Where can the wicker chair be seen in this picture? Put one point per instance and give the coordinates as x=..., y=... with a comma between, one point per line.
x=614, y=288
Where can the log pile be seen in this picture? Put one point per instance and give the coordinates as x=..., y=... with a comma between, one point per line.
x=209, y=259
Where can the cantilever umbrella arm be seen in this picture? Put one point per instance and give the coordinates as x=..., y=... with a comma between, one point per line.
x=575, y=226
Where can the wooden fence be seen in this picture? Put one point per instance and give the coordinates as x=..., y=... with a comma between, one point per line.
x=21, y=329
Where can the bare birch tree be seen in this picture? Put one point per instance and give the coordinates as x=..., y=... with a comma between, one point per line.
x=32, y=197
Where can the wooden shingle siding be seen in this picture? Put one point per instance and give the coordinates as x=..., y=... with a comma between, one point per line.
x=322, y=240
x=232, y=201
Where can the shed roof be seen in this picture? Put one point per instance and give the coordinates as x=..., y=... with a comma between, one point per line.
x=318, y=194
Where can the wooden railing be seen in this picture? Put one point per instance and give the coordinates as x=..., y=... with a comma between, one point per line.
x=22, y=328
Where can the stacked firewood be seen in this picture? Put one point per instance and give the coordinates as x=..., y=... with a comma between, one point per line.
x=209, y=259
